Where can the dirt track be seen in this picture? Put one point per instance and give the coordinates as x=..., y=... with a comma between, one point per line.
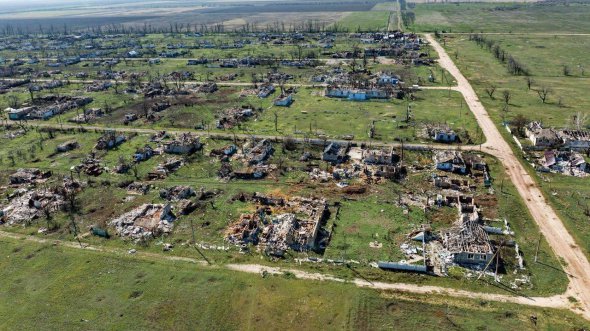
x=558, y=301
x=562, y=243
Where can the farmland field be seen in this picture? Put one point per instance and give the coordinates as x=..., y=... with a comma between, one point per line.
x=502, y=17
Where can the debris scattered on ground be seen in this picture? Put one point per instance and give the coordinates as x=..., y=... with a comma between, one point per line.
x=144, y=222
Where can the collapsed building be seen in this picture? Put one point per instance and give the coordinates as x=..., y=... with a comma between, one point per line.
x=88, y=115
x=144, y=222
x=27, y=205
x=28, y=176
x=564, y=162
x=90, y=165
x=67, y=146
x=110, y=140
x=451, y=161
x=177, y=193
x=164, y=169
x=335, y=153
x=281, y=224
x=468, y=243
x=259, y=152
x=186, y=143
x=542, y=138
x=234, y=116
x=54, y=105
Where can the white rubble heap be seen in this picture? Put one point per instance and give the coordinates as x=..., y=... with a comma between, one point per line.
x=145, y=221
x=29, y=205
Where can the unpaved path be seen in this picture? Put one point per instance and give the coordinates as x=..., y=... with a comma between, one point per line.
x=231, y=136
x=576, y=264
x=558, y=301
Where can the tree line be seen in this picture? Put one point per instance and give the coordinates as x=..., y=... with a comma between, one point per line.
x=514, y=66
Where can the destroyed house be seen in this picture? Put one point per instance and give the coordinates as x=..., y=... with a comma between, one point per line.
x=143, y=154
x=25, y=206
x=387, y=80
x=145, y=221
x=356, y=94
x=260, y=152
x=444, y=136
x=450, y=161
x=265, y=91
x=110, y=140
x=468, y=243
x=187, y=143
x=475, y=162
x=575, y=139
x=335, y=153
x=296, y=225
x=380, y=157
x=541, y=137
x=26, y=176
x=567, y=162
x=67, y=146
x=284, y=101
x=19, y=114
x=197, y=62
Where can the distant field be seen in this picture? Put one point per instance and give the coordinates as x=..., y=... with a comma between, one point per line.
x=365, y=21
x=491, y=17
x=233, y=14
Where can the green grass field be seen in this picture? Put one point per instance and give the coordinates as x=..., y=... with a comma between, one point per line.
x=502, y=17
x=56, y=287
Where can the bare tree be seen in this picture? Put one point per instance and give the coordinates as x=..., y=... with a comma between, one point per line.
x=579, y=120
x=31, y=90
x=529, y=82
x=507, y=96
x=490, y=91
x=544, y=93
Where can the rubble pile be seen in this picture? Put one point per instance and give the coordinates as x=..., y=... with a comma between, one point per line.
x=281, y=224
x=164, y=169
x=109, y=140
x=90, y=166
x=234, y=116
x=568, y=163
x=67, y=146
x=88, y=115
x=175, y=193
x=28, y=176
x=138, y=188
x=145, y=221
x=27, y=205
x=186, y=143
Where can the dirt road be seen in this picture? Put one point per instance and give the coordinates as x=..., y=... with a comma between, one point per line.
x=231, y=136
x=576, y=264
x=558, y=301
